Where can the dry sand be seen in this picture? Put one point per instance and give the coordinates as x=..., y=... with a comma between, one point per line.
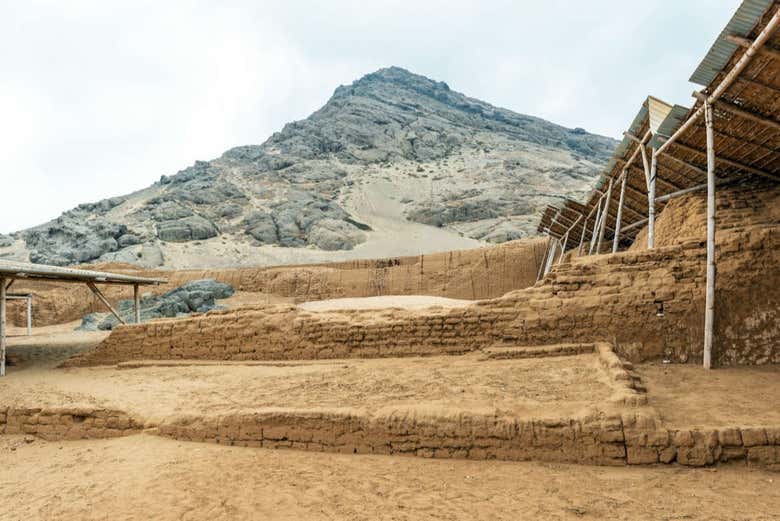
x=146, y=477
x=550, y=387
x=149, y=477
x=689, y=396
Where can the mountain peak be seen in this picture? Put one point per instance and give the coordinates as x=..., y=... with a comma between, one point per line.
x=393, y=146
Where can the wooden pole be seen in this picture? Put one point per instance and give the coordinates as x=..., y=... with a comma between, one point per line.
x=582, y=237
x=105, y=301
x=619, y=217
x=550, y=257
x=2, y=325
x=29, y=315
x=651, y=202
x=544, y=259
x=709, y=306
x=732, y=75
x=137, y=300
x=596, y=226
x=603, y=227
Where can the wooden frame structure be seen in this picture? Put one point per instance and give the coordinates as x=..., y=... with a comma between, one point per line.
x=731, y=133
x=11, y=271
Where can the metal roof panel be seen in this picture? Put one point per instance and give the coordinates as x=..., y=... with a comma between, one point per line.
x=748, y=14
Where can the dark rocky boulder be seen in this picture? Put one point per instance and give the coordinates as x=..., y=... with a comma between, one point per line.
x=193, y=297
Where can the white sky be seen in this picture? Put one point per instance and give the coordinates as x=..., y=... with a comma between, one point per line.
x=101, y=98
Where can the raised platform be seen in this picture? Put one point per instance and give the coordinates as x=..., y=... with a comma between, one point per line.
x=564, y=407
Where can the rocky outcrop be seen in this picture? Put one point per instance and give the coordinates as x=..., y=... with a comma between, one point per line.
x=197, y=296
x=454, y=162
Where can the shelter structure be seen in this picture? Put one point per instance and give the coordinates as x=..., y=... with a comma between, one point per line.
x=731, y=133
x=11, y=271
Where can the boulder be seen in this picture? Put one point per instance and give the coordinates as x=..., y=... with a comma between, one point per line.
x=194, y=228
x=193, y=297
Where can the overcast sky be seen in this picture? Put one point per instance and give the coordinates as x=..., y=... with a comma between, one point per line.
x=101, y=98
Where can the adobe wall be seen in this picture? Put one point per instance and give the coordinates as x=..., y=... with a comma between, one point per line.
x=598, y=298
x=466, y=274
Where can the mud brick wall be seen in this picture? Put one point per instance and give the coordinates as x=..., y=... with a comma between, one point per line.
x=633, y=439
x=466, y=274
x=612, y=298
x=71, y=423
x=599, y=298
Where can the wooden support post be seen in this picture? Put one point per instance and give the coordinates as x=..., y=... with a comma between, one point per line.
x=651, y=202
x=563, y=246
x=29, y=315
x=709, y=306
x=544, y=258
x=3, y=293
x=603, y=227
x=582, y=236
x=551, y=257
x=105, y=301
x=596, y=226
x=619, y=217
x=137, y=301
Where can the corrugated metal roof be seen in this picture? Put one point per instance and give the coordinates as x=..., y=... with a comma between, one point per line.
x=658, y=110
x=669, y=125
x=741, y=24
x=624, y=146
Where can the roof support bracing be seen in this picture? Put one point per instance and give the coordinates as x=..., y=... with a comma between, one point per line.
x=747, y=42
x=733, y=108
x=743, y=62
x=730, y=162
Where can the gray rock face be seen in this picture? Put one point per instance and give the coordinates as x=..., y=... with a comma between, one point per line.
x=193, y=228
x=77, y=236
x=6, y=240
x=194, y=297
x=478, y=170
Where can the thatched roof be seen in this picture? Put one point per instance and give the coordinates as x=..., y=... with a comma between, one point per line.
x=747, y=132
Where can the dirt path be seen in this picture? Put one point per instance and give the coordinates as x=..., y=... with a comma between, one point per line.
x=146, y=477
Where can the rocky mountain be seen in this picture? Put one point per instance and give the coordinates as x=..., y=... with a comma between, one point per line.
x=393, y=164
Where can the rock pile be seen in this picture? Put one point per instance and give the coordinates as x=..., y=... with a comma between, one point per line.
x=198, y=296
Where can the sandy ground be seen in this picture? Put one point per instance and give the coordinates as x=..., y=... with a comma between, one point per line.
x=145, y=477
x=385, y=301
x=536, y=388
x=148, y=477
x=689, y=396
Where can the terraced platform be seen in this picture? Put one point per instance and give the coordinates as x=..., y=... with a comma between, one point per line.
x=578, y=404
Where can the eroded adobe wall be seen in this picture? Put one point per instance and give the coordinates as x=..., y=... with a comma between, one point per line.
x=599, y=298
x=615, y=298
x=466, y=274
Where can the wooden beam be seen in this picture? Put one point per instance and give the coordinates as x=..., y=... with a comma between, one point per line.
x=733, y=108
x=729, y=78
x=3, y=293
x=651, y=201
x=606, y=215
x=619, y=217
x=746, y=43
x=730, y=162
x=634, y=225
x=544, y=259
x=105, y=301
x=709, y=306
x=137, y=302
